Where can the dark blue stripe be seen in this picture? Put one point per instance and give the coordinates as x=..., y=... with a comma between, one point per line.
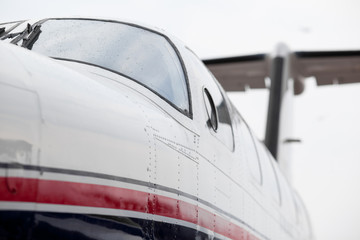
x=21, y=225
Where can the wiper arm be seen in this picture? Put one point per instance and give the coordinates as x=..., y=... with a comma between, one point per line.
x=21, y=35
x=29, y=36
x=5, y=31
x=31, y=39
x=2, y=31
x=11, y=35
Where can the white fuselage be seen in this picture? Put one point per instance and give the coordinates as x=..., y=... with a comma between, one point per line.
x=79, y=140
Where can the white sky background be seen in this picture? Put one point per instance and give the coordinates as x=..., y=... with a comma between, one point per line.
x=326, y=166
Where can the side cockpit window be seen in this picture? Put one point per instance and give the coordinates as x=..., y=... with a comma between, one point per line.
x=140, y=54
x=215, y=102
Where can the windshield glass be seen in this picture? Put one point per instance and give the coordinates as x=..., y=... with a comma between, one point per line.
x=142, y=55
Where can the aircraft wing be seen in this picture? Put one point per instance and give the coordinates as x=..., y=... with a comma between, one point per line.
x=328, y=67
x=235, y=73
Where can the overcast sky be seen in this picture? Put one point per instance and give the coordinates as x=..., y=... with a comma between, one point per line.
x=215, y=27
x=326, y=164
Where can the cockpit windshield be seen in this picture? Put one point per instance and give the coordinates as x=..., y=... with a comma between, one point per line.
x=142, y=55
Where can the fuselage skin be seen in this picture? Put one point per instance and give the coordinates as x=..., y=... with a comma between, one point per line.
x=86, y=153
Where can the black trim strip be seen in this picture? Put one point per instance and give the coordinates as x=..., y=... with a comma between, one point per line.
x=248, y=58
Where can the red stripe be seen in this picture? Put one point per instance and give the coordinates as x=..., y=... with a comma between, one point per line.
x=92, y=195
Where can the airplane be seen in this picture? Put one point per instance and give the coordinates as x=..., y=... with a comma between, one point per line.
x=115, y=130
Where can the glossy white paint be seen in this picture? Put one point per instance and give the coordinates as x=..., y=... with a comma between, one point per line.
x=84, y=118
